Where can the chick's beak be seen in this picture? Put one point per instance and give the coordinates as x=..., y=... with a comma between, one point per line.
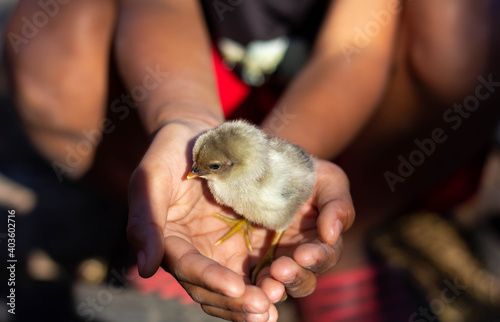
x=195, y=172
x=192, y=175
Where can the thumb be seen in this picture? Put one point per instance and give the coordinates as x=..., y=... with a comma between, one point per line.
x=333, y=199
x=149, y=196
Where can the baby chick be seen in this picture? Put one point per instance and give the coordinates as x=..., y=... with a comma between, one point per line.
x=263, y=179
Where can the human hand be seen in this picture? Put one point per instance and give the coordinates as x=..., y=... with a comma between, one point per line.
x=171, y=222
x=313, y=243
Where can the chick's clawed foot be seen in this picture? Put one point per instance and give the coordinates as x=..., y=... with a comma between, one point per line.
x=268, y=258
x=240, y=225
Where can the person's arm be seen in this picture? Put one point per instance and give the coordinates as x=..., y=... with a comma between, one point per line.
x=170, y=38
x=338, y=90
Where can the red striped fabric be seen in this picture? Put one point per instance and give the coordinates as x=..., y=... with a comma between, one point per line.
x=368, y=294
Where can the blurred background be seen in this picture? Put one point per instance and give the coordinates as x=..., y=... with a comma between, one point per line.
x=74, y=263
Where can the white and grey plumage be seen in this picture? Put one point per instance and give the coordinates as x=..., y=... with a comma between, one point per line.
x=265, y=180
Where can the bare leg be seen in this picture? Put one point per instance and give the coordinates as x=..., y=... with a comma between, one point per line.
x=431, y=74
x=449, y=44
x=60, y=77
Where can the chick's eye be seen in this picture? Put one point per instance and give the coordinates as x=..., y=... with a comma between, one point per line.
x=214, y=166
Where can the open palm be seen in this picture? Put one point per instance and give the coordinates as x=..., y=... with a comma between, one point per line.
x=172, y=223
x=191, y=217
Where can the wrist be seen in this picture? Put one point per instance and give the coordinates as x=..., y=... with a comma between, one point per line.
x=170, y=150
x=196, y=117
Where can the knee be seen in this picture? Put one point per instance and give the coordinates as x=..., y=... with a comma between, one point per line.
x=33, y=20
x=58, y=51
x=58, y=70
x=449, y=51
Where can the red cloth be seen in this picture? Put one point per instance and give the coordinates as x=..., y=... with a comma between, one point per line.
x=162, y=283
x=457, y=187
x=232, y=91
x=366, y=294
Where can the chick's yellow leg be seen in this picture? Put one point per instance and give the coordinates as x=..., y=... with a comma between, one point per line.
x=240, y=225
x=268, y=257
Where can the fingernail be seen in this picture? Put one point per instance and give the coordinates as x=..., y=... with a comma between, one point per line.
x=247, y=308
x=141, y=260
x=337, y=228
x=309, y=264
x=288, y=280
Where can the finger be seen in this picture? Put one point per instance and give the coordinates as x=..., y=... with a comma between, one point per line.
x=253, y=300
x=148, y=215
x=271, y=315
x=151, y=190
x=332, y=197
x=274, y=289
x=318, y=257
x=146, y=238
x=298, y=281
x=187, y=264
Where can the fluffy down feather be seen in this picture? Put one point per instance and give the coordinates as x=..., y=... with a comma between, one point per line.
x=263, y=179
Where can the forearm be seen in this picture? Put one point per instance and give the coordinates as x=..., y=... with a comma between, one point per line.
x=170, y=38
x=328, y=104
x=338, y=90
